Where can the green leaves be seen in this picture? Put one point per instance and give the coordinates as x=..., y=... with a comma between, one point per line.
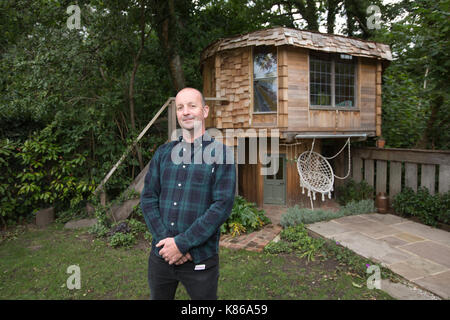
x=244, y=217
x=296, y=239
x=430, y=209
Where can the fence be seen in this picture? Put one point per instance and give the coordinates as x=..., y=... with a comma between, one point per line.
x=391, y=170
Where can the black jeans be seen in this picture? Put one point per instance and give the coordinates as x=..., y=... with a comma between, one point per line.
x=200, y=284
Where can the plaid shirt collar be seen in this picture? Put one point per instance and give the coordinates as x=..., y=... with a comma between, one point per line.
x=205, y=137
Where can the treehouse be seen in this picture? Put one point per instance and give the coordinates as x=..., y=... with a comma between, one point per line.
x=308, y=85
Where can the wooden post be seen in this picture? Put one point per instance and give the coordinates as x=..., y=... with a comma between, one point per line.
x=378, y=100
x=172, y=119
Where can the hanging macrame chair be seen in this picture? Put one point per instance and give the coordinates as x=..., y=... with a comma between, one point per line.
x=316, y=173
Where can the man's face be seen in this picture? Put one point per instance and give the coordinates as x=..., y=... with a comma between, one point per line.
x=190, y=112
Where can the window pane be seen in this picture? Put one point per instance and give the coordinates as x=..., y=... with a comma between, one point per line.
x=264, y=62
x=344, y=82
x=265, y=95
x=320, y=82
x=265, y=88
x=279, y=175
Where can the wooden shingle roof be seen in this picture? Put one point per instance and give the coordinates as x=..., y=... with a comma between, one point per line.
x=304, y=39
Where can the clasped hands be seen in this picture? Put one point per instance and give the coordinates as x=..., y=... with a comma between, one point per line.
x=171, y=253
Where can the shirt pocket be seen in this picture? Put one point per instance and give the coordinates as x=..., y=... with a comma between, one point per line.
x=202, y=173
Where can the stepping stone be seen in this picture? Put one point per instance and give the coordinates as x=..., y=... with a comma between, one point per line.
x=45, y=217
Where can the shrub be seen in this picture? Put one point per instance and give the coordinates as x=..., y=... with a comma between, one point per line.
x=296, y=215
x=358, y=207
x=353, y=191
x=244, y=217
x=120, y=239
x=39, y=173
x=296, y=239
x=428, y=208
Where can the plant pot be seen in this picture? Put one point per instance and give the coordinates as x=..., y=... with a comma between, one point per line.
x=381, y=143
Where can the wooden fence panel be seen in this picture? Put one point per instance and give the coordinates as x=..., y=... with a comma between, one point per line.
x=444, y=178
x=368, y=171
x=395, y=178
x=381, y=176
x=427, y=178
x=357, y=169
x=411, y=175
x=430, y=162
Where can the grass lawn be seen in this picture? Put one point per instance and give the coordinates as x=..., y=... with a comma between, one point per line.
x=34, y=265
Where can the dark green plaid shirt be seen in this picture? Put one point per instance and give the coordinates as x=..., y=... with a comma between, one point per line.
x=189, y=201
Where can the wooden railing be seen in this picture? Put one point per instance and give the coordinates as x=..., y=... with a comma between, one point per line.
x=391, y=170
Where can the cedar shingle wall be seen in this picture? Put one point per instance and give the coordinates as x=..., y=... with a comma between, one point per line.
x=233, y=83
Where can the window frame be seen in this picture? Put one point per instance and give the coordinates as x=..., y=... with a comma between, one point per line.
x=253, y=82
x=332, y=57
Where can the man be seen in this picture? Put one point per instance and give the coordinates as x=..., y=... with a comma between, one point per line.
x=184, y=204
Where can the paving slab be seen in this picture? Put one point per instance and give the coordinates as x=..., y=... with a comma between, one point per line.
x=393, y=241
x=405, y=292
x=418, y=253
x=430, y=250
x=416, y=268
x=438, y=284
x=408, y=237
x=368, y=247
x=328, y=228
x=373, y=229
x=351, y=220
x=387, y=219
x=425, y=232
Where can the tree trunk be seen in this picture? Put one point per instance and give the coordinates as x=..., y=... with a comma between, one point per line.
x=331, y=15
x=167, y=34
x=132, y=81
x=428, y=137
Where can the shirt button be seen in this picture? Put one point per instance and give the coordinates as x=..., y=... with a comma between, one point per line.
x=179, y=184
x=172, y=224
x=174, y=203
x=184, y=166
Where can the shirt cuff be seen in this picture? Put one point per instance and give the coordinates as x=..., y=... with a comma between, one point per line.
x=182, y=243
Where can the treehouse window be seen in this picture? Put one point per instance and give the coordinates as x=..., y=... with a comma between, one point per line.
x=265, y=85
x=332, y=80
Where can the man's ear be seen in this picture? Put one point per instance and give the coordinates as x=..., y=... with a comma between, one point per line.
x=205, y=111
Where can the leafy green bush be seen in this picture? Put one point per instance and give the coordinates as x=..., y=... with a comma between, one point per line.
x=39, y=173
x=353, y=191
x=296, y=239
x=430, y=209
x=120, y=239
x=244, y=217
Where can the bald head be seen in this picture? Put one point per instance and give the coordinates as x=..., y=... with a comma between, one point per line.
x=191, y=109
x=193, y=91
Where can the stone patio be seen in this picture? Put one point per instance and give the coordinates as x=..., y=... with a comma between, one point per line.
x=419, y=253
